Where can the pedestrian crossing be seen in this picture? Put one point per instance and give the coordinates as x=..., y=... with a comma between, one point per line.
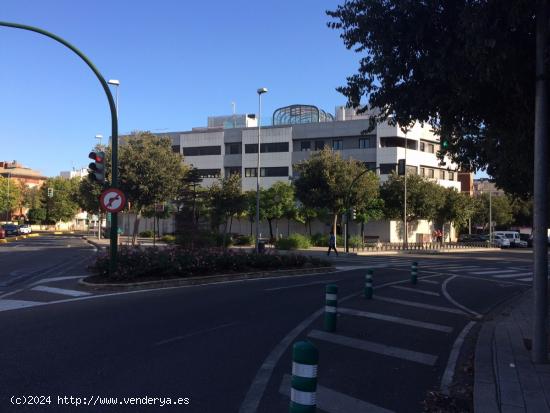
x=521, y=273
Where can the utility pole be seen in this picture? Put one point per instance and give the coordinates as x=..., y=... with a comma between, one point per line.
x=540, y=197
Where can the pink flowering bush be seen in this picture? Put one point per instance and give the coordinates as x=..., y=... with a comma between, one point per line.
x=162, y=263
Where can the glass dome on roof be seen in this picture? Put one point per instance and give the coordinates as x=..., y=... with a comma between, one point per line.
x=297, y=114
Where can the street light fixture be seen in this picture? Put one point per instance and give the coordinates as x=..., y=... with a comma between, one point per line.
x=115, y=82
x=260, y=92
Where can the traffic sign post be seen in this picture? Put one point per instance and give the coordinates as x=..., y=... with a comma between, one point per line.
x=112, y=200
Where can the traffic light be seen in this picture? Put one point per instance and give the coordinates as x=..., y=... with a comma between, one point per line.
x=401, y=167
x=445, y=144
x=354, y=214
x=50, y=192
x=96, y=169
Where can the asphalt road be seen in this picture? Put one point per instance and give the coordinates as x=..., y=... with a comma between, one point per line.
x=226, y=347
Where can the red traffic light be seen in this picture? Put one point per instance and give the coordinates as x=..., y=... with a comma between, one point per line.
x=97, y=156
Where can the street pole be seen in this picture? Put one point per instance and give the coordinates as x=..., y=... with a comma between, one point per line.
x=114, y=127
x=491, y=217
x=8, y=203
x=540, y=186
x=405, y=231
x=260, y=91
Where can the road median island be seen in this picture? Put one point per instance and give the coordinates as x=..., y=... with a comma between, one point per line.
x=161, y=267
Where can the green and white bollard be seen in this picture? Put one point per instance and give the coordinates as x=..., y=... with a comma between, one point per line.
x=368, y=284
x=331, y=303
x=414, y=272
x=303, y=396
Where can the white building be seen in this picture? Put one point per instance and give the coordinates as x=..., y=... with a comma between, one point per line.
x=300, y=130
x=80, y=173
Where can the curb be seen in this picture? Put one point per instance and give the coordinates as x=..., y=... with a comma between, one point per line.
x=212, y=279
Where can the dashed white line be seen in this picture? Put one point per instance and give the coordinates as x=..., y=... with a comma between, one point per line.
x=416, y=290
x=331, y=401
x=60, y=291
x=420, y=305
x=398, y=320
x=14, y=304
x=378, y=348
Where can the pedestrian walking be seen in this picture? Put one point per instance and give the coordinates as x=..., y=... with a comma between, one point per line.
x=332, y=243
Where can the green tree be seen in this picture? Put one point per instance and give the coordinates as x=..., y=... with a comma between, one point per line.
x=277, y=202
x=464, y=67
x=457, y=209
x=424, y=198
x=306, y=215
x=150, y=172
x=10, y=194
x=226, y=201
x=328, y=181
x=501, y=211
x=62, y=206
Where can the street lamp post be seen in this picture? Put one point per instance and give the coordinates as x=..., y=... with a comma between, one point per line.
x=114, y=125
x=115, y=82
x=8, y=202
x=405, y=230
x=260, y=92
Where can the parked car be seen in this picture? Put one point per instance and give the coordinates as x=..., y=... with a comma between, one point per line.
x=11, y=229
x=472, y=238
x=501, y=241
x=513, y=237
x=528, y=238
x=25, y=229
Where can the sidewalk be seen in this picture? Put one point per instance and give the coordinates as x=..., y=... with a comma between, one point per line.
x=505, y=378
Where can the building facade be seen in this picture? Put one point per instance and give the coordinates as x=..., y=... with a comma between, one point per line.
x=300, y=131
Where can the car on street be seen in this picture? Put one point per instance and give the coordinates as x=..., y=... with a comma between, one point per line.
x=11, y=229
x=514, y=238
x=25, y=229
x=528, y=238
x=501, y=241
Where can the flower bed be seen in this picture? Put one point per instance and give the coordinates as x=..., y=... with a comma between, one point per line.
x=144, y=264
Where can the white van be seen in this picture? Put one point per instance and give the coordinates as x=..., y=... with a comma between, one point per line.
x=513, y=237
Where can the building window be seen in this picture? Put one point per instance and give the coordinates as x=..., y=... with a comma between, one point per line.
x=451, y=176
x=209, y=173
x=430, y=173
x=365, y=143
x=176, y=148
x=233, y=148
x=337, y=144
x=267, y=172
x=412, y=170
x=266, y=147
x=371, y=166
x=233, y=170
x=422, y=147
x=305, y=146
x=202, y=150
x=250, y=172
x=422, y=171
x=319, y=145
x=387, y=168
x=442, y=174
x=430, y=148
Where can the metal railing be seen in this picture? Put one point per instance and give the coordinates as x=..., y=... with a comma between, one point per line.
x=423, y=246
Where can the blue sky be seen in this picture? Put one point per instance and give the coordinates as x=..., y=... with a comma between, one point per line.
x=177, y=61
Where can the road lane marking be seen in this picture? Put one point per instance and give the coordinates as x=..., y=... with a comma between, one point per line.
x=49, y=280
x=526, y=279
x=420, y=305
x=61, y=291
x=398, y=320
x=195, y=333
x=431, y=282
x=448, y=375
x=259, y=383
x=301, y=285
x=452, y=300
x=410, y=289
x=520, y=274
x=378, y=348
x=14, y=304
x=490, y=272
x=331, y=401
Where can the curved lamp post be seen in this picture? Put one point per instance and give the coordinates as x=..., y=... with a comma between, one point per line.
x=114, y=126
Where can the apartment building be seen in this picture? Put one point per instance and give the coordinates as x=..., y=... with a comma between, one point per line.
x=296, y=132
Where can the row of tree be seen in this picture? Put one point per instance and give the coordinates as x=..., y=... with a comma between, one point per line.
x=151, y=174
